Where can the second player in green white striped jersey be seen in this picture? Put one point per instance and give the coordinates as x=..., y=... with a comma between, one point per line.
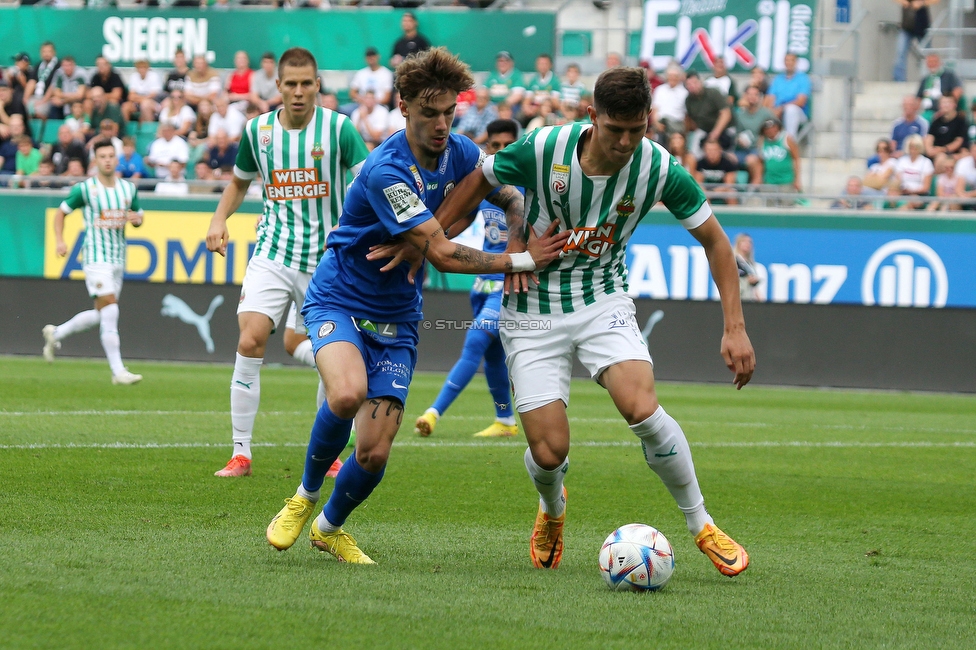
x=304, y=174
x=602, y=211
x=105, y=211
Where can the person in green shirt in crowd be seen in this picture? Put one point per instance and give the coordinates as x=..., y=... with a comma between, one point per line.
x=781, y=158
x=28, y=158
x=506, y=83
x=544, y=82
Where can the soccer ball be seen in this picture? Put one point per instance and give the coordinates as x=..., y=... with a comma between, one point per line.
x=636, y=557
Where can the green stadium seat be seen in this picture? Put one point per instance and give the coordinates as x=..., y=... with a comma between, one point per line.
x=46, y=133
x=633, y=44
x=577, y=43
x=144, y=134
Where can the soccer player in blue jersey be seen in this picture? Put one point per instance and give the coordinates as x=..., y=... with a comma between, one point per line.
x=363, y=321
x=482, y=341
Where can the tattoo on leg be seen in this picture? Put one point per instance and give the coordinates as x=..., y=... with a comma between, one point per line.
x=392, y=406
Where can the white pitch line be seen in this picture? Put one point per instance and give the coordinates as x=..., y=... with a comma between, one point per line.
x=506, y=443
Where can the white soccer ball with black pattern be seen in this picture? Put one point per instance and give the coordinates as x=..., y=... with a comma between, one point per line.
x=636, y=557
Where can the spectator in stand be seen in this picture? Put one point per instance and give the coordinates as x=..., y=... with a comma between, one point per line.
x=226, y=118
x=707, y=115
x=108, y=80
x=76, y=169
x=781, y=159
x=948, y=133
x=759, y=79
x=328, y=99
x=613, y=60
x=78, y=121
x=853, y=190
x=44, y=74
x=202, y=172
x=882, y=172
x=750, y=115
x=572, y=89
x=914, y=173
x=203, y=82
x=252, y=111
x=27, y=159
x=176, y=79
x=110, y=131
x=915, y=21
x=528, y=111
x=8, y=147
x=200, y=132
x=678, y=148
x=395, y=121
x=43, y=180
x=239, y=81
x=130, y=164
x=789, y=96
x=175, y=183
x=145, y=90
x=506, y=83
x=69, y=85
x=722, y=82
x=938, y=82
x=971, y=133
x=21, y=77
x=910, y=123
x=165, y=149
x=749, y=279
x=965, y=173
x=102, y=109
x=68, y=146
x=411, y=42
x=668, y=103
x=264, y=84
x=475, y=122
x=945, y=184
x=10, y=106
x=178, y=114
x=569, y=113
x=373, y=78
x=544, y=83
x=370, y=119
x=717, y=170
x=222, y=154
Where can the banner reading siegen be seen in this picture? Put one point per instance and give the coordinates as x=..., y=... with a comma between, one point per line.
x=747, y=33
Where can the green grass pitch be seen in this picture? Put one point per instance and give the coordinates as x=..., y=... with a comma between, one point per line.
x=857, y=509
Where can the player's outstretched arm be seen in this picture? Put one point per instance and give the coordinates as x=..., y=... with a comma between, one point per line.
x=230, y=200
x=60, y=246
x=736, y=347
x=448, y=257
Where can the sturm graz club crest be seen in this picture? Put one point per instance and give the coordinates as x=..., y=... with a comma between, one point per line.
x=327, y=328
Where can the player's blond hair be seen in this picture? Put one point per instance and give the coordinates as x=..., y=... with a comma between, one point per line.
x=429, y=73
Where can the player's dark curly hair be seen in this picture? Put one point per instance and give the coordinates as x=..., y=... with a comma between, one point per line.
x=429, y=73
x=622, y=93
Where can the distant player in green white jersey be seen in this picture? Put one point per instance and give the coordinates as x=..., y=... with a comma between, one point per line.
x=302, y=152
x=108, y=203
x=599, y=181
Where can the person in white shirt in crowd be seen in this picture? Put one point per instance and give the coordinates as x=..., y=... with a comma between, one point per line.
x=165, y=149
x=227, y=118
x=264, y=84
x=374, y=77
x=914, y=173
x=370, y=120
x=965, y=174
x=668, y=103
x=176, y=185
x=721, y=81
x=145, y=90
x=177, y=113
x=203, y=82
x=395, y=121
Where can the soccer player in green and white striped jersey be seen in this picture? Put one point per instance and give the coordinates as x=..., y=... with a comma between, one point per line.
x=599, y=181
x=108, y=203
x=302, y=153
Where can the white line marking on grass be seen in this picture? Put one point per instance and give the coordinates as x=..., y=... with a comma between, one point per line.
x=504, y=443
x=116, y=412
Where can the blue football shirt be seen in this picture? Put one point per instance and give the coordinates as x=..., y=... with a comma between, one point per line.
x=496, y=234
x=391, y=195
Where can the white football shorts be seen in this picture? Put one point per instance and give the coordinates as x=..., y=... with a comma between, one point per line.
x=103, y=279
x=269, y=287
x=295, y=319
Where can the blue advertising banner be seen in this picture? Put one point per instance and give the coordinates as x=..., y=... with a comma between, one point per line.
x=883, y=262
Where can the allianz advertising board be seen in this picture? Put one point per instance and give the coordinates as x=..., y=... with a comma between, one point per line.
x=903, y=268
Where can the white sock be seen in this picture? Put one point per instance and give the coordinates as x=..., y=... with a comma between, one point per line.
x=667, y=452
x=311, y=496
x=325, y=525
x=320, y=394
x=549, y=485
x=509, y=421
x=304, y=353
x=437, y=415
x=80, y=322
x=110, y=337
x=245, y=396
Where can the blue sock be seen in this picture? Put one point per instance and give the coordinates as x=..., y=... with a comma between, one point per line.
x=496, y=372
x=329, y=436
x=475, y=344
x=353, y=485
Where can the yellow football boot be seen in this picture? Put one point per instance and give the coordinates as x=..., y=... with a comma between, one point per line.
x=340, y=544
x=425, y=424
x=287, y=525
x=498, y=430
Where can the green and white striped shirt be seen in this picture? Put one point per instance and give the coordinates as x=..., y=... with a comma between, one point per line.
x=304, y=174
x=105, y=213
x=602, y=211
